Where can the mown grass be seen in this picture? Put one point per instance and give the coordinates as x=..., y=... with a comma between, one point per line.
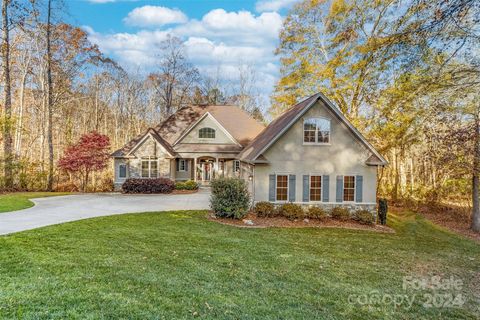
x=20, y=200
x=177, y=265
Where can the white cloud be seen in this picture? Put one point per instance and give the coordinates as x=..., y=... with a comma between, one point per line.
x=154, y=16
x=131, y=49
x=205, y=51
x=240, y=26
x=273, y=5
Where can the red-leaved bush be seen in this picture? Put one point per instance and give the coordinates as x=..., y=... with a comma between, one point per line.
x=137, y=185
x=89, y=154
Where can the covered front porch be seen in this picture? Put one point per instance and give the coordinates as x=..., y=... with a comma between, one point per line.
x=204, y=168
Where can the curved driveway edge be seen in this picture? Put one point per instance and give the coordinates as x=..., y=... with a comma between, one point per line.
x=55, y=210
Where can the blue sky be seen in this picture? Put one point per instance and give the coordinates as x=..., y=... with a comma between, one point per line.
x=219, y=36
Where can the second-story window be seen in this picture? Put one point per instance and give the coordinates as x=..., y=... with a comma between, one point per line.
x=316, y=131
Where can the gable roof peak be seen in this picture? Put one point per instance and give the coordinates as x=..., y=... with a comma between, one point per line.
x=131, y=146
x=283, y=122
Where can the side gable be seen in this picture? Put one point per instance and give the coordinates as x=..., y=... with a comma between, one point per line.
x=130, y=148
x=279, y=126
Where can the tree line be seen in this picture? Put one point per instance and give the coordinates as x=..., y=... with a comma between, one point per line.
x=407, y=74
x=57, y=86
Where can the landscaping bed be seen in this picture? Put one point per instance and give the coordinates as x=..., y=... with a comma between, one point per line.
x=158, y=186
x=184, y=191
x=282, y=222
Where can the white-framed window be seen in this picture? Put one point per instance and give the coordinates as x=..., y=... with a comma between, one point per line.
x=149, y=168
x=182, y=165
x=315, y=188
x=349, y=188
x=282, y=187
x=122, y=170
x=236, y=166
x=316, y=131
x=206, y=133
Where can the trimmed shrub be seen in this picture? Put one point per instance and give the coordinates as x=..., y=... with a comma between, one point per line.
x=291, y=211
x=340, y=213
x=265, y=209
x=230, y=197
x=186, y=185
x=191, y=185
x=364, y=216
x=314, y=212
x=382, y=211
x=137, y=185
x=180, y=185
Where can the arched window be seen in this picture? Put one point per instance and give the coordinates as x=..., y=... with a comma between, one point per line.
x=316, y=130
x=206, y=133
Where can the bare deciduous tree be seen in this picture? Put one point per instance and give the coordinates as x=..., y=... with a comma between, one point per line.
x=176, y=77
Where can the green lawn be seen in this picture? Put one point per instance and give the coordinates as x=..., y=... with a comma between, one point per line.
x=172, y=265
x=20, y=200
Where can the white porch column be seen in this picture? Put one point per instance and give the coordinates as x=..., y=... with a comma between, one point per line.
x=194, y=169
x=216, y=168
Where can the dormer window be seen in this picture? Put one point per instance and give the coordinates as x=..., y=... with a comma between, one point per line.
x=316, y=131
x=206, y=133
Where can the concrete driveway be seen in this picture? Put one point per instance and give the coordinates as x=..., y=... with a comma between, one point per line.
x=55, y=210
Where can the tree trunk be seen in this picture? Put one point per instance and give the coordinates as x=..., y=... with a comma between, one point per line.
x=49, y=101
x=18, y=133
x=412, y=178
x=85, y=181
x=396, y=177
x=476, y=177
x=7, y=134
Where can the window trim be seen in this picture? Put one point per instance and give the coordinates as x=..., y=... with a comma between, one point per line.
x=119, y=170
x=288, y=187
x=354, y=188
x=207, y=138
x=180, y=161
x=149, y=160
x=316, y=143
x=310, y=187
x=235, y=162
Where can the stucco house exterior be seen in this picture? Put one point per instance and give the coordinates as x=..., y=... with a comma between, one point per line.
x=310, y=155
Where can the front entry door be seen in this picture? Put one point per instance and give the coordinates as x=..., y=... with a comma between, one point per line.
x=207, y=171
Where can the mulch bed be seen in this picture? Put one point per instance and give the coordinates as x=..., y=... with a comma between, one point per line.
x=165, y=194
x=184, y=191
x=281, y=222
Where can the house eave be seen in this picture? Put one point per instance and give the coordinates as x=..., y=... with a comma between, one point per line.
x=377, y=164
